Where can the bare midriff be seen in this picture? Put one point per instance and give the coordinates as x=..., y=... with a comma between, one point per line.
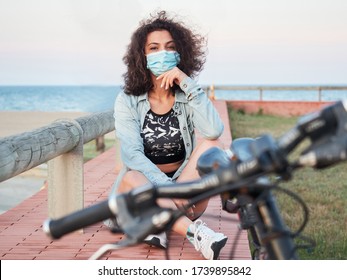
x=170, y=167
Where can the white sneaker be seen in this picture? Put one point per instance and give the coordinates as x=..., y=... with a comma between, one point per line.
x=208, y=242
x=157, y=240
x=112, y=224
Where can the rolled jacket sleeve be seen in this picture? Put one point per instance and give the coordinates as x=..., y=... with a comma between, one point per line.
x=205, y=116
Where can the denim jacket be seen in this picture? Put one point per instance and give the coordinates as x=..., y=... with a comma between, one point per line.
x=193, y=110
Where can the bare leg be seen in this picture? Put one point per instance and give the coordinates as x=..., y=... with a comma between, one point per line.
x=133, y=179
x=191, y=173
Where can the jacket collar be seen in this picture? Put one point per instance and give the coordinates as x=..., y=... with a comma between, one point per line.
x=142, y=97
x=179, y=97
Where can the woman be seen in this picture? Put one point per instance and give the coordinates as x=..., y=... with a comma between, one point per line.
x=155, y=118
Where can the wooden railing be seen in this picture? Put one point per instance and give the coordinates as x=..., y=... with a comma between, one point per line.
x=61, y=145
x=319, y=89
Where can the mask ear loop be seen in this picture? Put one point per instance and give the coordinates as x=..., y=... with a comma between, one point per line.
x=146, y=60
x=178, y=57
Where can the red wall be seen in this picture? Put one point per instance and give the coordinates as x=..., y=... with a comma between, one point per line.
x=278, y=108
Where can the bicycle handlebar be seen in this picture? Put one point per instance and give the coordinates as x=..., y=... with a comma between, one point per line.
x=315, y=126
x=327, y=130
x=77, y=220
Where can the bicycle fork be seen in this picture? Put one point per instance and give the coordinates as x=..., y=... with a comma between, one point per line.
x=271, y=231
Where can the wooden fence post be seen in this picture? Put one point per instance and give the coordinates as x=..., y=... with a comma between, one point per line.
x=65, y=180
x=319, y=94
x=100, y=144
x=212, y=94
x=261, y=94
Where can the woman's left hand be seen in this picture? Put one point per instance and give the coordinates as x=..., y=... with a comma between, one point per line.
x=170, y=77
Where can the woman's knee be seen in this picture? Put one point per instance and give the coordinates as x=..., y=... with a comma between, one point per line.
x=207, y=144
x=212, y=143
x=131, y=180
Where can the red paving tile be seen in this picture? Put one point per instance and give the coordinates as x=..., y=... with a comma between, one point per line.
x=22, y=238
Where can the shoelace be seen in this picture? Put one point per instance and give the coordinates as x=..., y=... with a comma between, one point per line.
x=198, y=227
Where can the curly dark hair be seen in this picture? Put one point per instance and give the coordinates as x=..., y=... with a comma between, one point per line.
x=190, y=46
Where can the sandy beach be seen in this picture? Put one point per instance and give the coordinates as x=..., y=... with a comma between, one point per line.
x=14, y=122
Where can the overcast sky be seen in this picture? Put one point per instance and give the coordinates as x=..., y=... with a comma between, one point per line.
x=64, y=42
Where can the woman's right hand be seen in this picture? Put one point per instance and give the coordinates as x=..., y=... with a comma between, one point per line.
x=170, y=77
x=180, y=203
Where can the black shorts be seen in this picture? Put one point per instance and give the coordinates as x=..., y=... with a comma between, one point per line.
x=170, y=174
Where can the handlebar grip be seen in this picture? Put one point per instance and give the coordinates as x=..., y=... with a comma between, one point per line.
x=327, y=154
x=56, y=228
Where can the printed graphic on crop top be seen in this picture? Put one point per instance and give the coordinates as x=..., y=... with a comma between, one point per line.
x=162, y=138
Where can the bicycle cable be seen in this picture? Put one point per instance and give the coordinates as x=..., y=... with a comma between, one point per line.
x=275, y=233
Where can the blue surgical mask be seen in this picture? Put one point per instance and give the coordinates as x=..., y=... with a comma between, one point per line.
x=163, y=61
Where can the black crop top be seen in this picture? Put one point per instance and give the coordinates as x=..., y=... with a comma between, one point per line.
x=162, y=138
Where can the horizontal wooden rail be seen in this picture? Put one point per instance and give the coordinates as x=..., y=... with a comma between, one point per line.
x=314, y=88
x=21, y=152
x=211, y=90
x=61, y=145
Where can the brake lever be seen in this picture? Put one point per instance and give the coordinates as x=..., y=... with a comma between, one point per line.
x=111, y=247
x=138, y=228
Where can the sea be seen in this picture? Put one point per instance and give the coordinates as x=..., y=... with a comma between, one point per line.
x=101, y=98
x=58, y=98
